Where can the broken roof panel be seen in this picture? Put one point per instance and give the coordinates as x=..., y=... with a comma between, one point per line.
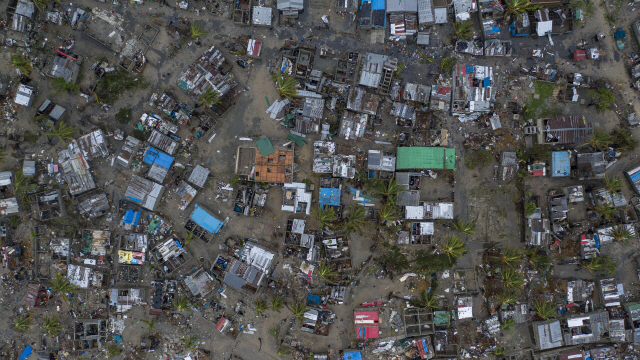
x=94, y=206
x=144, y=192
x=565, y=130
x=163, y=142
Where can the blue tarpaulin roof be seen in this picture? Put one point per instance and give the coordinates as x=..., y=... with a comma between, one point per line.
x=131, y=217
x=377, y=4
x=154, y=156
x=620, y=34
x=468, y=68
x=560, y=164
x=201, y=217
x=352, y=355
x=487, y=82
x=313, y=299
x=329, y=196
x=26, y=353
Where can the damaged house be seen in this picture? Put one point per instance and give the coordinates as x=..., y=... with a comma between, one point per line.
x=143, y=192
x=377, y=72
x=249, y=271
x=266, y=161
x=472, y=91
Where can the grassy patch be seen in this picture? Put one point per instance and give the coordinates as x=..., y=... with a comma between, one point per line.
x=552, y=111
x=585, y=5
x=544, y=90
x=477, y=157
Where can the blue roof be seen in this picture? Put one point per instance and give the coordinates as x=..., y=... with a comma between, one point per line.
x=620, y=34
x=377, y=4
x=154, y=156
x=201, y=217
x=352, y=355
x=26, y=353
x=131, y=217
x=560, y=164
x=313, y=299
x=329, y=196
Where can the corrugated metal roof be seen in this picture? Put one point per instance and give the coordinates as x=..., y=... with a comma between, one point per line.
x=94, y=206
x=290, y=4
x=408, y=198
x=23, y=95
x=425, y=12
x=29, y=168
x=199, y=176
x=6, y=178
x=402, y=6
x=265, y=147
x=153, y=156
x=438, y=211
x=377, y=161
x=262, y=15
x=9, y=206
x=157, y=173
x=144, y=192
x=205, y=220
x=549, y=335
x=163, y=142
x=440, y=15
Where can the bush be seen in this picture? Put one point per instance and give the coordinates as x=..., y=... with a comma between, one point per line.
x=124, y=115
x=477, y=157
x=428, y=262
x=394, y=258
x=529, y=209
x=30, y=137
x=60, y=85
x=623, y=139
x=115, y=83
x=603, y=99
x=139, y=134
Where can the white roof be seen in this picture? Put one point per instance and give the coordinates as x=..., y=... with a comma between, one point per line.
x=23, y=96
x=544, y=27
x=426, y=228
x=414, y=212
x=441, y=15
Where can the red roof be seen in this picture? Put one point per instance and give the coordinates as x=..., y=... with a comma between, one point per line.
x=367, y=332
x=365, y=317
x=443, y=90
x=536, y=172
x=579, y=55
x=254, y=46
x=220, y=323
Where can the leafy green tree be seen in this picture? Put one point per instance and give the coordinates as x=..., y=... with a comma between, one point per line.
x=612, y=184
x=530, y=209
x=394, y=258
x=454, y=247
x=598, y=141
x=209, y=97
x=182, y=303
x=123, y=115
x=515, y=8
x=52, y=325
x=277, y=303
x=622, y=139
x=325, y=217
x=512, y=279
x=62, y=286
x=544, y=309
x=427, y=300
x=298, y=309
x=464, y=227
x=286, y=85
x=197, y=30
x=356, y=219
x=388, y=213
x=190, y=237
x=600, y=263
x=21, y=63
x=22, y=323
x=603, y=99
x=60, y=85
x=606, y=211
x=261, y=306
x=462, y=30
x=325, y=271
x=21, y=186
x=63, y=132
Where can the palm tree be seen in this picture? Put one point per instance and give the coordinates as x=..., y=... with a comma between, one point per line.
x=355, y=219
x=538, y=259
x=605, y=210
x=325, y=217
x=464, y=227
x=390, y=188
x=22, y=323
x=41, y=4
x=325, y=272
x=190, y=342
x=189, y=238
x=61, y=285
x=454, y=247
x=427, y=300
x=21, y=186
x=544, y=309
x=507, y=296
x=599, y=140
x=621, y=233
x=64, y=132
x=286, y=86
x=388, y=213
x=515, y=8
x=499, y=351
x=298, y=309
x=151, y=324
x=462, y=29
x=509, y=257
x=181, y=303
x=197, y=30
x=209, y=97
x=612, y=184
x=508, y=325
x=112, y=350
x=52, y=325
x=277, y=303
x=600, y=263
x=447, y=64
x=512, y=279
x=261, y=306
x=19, y=62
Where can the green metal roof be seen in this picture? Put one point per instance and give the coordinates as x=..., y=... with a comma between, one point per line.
x=416, y=157
x=441, y=318
x=299, y=140
x=265, y=147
